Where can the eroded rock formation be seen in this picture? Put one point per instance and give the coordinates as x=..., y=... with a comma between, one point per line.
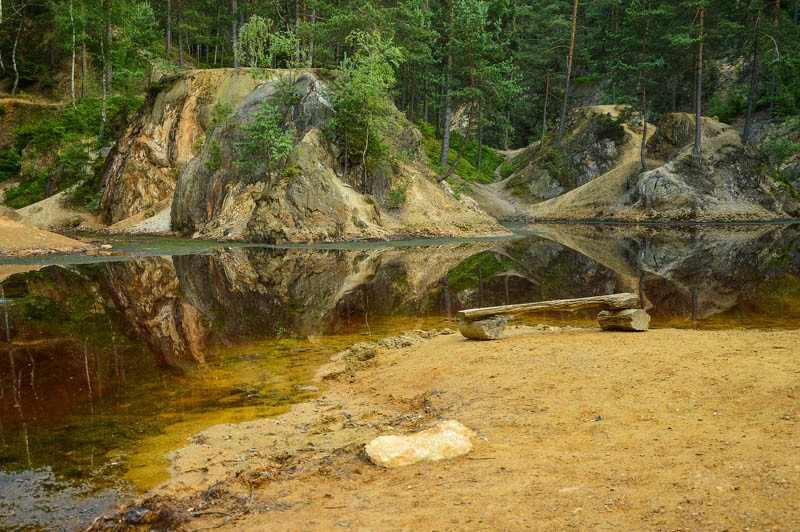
x=177, y=159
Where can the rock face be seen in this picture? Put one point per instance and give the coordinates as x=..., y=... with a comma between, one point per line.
x=448, y=439
x=141, y=172
x=176, y=157
x=593, y=147
x=726, y=182
x=148, y=295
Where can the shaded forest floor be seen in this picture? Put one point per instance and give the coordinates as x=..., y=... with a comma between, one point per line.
x=669, y=429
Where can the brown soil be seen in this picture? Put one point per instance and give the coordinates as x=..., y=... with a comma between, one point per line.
x=577, y=428
x=19, y=239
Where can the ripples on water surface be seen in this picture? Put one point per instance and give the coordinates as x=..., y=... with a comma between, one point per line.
x=106, y=366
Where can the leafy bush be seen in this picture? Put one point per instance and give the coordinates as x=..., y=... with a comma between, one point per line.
x=467, y=166
x=10, y=163
x=214, y=158
x=266, y=141
x=396, y=196
x=780, y=148
x=223, y=114
x=27, y=192
x=726, y=107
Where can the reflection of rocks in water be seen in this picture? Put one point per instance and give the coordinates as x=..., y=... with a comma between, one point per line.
x=688, y=271
x=258, y=293
x=148, y=294
x=530, y=269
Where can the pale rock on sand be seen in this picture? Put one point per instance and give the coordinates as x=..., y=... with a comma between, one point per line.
x=448, y=439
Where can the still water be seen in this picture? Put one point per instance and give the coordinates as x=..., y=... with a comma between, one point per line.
x=108, y=365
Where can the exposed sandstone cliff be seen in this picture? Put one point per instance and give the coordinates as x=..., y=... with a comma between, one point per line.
x=175, y=159
x=726, y=182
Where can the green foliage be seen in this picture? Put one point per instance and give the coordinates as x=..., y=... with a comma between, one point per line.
x=253, y=45
x=10, y=163
x=266, y=141
x=396, y=196
x=780, y=148
x=467, y=166
x=71, y=135
x=287, y=93
x=27, y=192
x=510, y=166
x=292, y=172
x=727, y=106
x=361, y=97
x=214, y=158
x=465, y=275
x=223, y=114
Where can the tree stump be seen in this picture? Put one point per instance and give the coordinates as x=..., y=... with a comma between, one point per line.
x=489, y=329
x=624, y=320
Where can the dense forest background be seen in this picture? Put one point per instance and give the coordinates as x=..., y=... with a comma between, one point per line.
x=508, y=69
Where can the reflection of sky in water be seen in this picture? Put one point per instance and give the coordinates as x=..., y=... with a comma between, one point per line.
x=37, y=499
x=135, y=356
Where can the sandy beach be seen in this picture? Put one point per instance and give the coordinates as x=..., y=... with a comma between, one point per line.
x=575, y=428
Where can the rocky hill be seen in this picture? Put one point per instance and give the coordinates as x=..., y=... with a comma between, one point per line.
x=180, y=166
x=726, y=182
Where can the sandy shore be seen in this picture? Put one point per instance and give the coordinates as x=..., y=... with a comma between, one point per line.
x=19, y=239
x=664, y=430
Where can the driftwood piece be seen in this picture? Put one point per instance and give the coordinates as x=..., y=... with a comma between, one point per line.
x=489, y=329
x=624, y=320
x=609, y=302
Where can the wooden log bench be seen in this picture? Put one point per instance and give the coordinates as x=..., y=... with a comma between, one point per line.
x=619, y=312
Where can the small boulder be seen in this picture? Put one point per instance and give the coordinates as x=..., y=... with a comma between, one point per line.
x=488, y=329
x=448, y=439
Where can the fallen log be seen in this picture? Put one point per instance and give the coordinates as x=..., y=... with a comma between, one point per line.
x=609, y=302
x=624, y=320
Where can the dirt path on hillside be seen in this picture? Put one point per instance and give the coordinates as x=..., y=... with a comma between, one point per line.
x=576, y=428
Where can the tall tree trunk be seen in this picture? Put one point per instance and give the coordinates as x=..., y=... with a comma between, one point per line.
x=465, y=141
x=109, y=40
x=169, y=31
x=751, y=93
x=563, y=121
x=698, y=95
x=507, y=130
x=447, y=113
x=544, y=112
x=179, y=22
x=234, y=33
x=448, y=80
x=103, y=107
x=643, y=62
x=311, y=39
x=297, y=32
x=425, y=102
x=14, y=59
x=84, y=69
x=72, y=62
x=479, y=162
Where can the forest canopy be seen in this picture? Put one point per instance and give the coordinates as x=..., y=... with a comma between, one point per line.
x=510, y=63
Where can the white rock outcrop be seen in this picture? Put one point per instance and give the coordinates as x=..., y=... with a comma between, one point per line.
x=448, y=439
